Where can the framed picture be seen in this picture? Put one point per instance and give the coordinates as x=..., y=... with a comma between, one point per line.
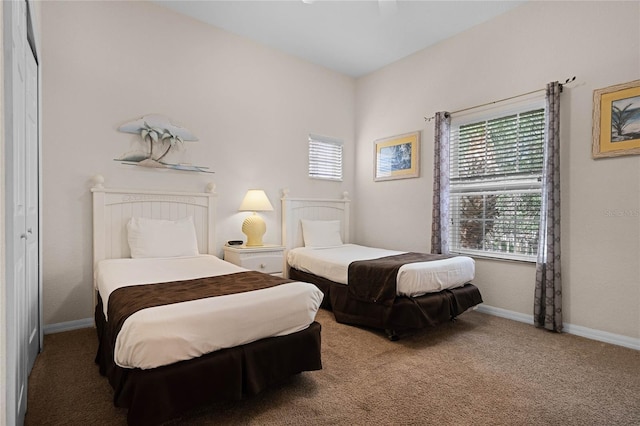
x=616, y=120
x=397, y=157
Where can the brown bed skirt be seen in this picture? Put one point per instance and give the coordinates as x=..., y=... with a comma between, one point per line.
x=156, y=395
x=406, y=314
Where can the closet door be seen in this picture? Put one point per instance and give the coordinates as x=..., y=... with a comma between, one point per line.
x=16, y=218
x=32, y=267
x=21, y=209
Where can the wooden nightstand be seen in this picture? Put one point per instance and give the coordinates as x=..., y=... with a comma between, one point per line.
x=268, y=258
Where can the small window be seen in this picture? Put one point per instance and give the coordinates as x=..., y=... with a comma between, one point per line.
x=325, y=158
x=496, y=182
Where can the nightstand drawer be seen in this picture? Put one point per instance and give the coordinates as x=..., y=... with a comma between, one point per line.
x=268, y=259
x=269, y=264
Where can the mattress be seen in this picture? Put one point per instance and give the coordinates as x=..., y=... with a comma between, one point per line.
x=414, y=279
x=167, y=334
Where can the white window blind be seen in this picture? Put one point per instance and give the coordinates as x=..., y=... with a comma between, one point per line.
x=496, y=166
x=325, y=158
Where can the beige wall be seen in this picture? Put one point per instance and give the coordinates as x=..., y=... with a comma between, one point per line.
x=599, y=43
x=252, y=107
x=106, y=63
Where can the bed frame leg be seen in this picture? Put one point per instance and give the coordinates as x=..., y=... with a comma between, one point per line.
x=392, y=335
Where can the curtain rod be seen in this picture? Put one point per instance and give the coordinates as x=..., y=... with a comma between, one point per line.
x=569, y=80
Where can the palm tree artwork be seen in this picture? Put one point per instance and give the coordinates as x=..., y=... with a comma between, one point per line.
x=159, y=141
x=625, y=119
x=171, y=139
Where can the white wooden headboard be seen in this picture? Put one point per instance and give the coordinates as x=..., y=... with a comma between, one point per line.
x=295, y=209
x=112, y=209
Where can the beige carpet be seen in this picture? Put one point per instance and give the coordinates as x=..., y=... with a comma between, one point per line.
x=479, y=370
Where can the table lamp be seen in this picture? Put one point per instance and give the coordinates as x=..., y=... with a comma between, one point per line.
x=253, y=226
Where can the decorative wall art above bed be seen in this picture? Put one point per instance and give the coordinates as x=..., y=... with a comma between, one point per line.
x=161, y=144
x=397, y=157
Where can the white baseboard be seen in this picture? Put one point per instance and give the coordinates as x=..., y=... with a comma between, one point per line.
x=503, y=313
x=589, y=333
x=603, y=336
x=68, y=326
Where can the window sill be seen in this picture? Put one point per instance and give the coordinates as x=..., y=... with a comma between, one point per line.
x=505, y=257
x=330, y=179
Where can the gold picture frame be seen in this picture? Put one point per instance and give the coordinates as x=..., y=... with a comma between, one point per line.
x=616, y=120
x=397, y=157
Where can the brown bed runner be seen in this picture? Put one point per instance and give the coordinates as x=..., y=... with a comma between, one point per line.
x=125, y=301
x=375, y=280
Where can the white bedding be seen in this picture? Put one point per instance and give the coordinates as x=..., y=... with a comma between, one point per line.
x=166, y=334
x=414, y=279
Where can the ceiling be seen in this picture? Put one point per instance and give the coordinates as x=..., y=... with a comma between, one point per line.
x=351, y=37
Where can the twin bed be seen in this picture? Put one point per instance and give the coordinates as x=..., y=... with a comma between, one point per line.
x=178, y=327
x=166, y=344
x=394, y=291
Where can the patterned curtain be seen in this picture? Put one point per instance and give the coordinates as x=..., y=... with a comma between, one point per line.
x=440, y=224
x=547, y=310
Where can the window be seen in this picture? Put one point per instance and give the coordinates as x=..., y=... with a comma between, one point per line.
x=496, y=167
x=325, y=158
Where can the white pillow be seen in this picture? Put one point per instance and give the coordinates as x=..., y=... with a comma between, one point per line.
x=321, y=233
x=162, y=238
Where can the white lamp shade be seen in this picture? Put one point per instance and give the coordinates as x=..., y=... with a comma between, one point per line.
x=255, y=201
